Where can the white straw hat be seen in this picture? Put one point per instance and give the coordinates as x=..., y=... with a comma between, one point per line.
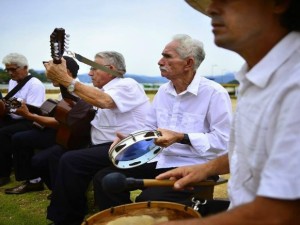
x=200, y=5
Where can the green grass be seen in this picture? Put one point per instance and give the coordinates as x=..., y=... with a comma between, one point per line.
x=25, y=209
x=30, y=208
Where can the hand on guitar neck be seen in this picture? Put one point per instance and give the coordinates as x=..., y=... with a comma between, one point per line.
x=57, y=43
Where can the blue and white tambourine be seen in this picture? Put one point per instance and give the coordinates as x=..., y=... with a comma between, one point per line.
x=134, y=150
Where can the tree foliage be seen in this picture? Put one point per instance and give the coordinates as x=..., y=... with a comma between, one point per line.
x=4, y=77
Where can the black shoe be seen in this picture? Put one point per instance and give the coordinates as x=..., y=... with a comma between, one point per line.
x=4, y=181
x=25, y=187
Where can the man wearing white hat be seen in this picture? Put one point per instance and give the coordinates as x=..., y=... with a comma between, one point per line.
x=264, y=148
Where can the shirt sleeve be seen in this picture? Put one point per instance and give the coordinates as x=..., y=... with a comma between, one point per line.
x=219, y=117
x=125, y=95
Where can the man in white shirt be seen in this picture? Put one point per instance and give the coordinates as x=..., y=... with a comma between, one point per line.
x=264, y=152
x=26, y=143
x=193, y=115
x=33, y=93
x=122, y=105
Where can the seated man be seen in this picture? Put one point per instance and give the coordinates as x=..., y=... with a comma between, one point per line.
x=122, y=105
x=193, y=115
x=33, y=93
x=26, y=143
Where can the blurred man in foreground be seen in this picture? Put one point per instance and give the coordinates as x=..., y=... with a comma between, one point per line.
x=264, y=150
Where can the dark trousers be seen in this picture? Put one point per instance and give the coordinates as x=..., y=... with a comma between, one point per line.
x=75, y=172
x=9, y=127
x=25, y=145
x=105, y=199
x=45, y=163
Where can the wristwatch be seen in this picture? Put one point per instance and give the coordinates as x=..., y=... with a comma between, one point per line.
x=71, y=87
x=185, y=140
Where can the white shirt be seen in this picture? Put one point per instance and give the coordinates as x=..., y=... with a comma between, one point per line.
x=203, y=111
x=264, y=148
x=33, y=93
x=129, y=116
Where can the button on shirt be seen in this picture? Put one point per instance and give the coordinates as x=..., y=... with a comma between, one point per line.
x=264, y=149
x=129, y=116
x=203, y=111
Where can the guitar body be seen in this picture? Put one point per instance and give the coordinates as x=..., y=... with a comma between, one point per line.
x=74, y=119
x=46, y=109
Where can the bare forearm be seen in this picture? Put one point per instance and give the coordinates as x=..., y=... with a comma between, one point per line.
x=94, y=96
x=262, y=211
x=43, y=120
x=218, y=166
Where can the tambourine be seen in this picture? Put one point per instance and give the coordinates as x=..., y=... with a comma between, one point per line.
x=136, y=149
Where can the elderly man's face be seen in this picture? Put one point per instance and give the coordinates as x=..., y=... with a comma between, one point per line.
x=171, y=65
x=99, y=77
x=16, y=72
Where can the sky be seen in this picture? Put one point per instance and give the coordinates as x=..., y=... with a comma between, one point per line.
x=139, y=29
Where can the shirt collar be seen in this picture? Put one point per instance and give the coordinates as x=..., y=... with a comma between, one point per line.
x=262, y=72
x=192, y=88
x=110, y=84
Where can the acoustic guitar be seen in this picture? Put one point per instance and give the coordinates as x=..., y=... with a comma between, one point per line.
x=73, y=114
x=46, y=109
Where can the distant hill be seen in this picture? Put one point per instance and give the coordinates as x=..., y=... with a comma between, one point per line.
x=142, y=79
x=227, y=78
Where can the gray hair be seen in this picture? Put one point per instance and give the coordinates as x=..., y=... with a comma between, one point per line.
x=113, y=58
x=15, y=58
x=190, y=47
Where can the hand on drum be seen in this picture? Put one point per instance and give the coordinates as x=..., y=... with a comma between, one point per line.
x=168, y=137
x=185, y=175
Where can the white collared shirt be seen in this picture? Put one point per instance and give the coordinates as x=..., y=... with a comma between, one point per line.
x=33, y=93
x=129, y=116
x=264, y=149
x=203, y=111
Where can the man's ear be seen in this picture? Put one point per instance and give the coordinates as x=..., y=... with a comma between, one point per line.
x=190, y=63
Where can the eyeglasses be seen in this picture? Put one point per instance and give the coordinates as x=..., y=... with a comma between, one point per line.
x=93, y=68
x=11, y=69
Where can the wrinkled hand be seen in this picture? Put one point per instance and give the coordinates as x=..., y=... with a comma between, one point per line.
x=185, y=175
x=168, y=137
x=23, y=110
x=56, y=72
x=119, y=138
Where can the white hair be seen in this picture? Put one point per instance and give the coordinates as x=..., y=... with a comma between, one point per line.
x=15, y=58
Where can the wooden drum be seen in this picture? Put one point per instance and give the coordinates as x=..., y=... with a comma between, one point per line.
x=142, y=213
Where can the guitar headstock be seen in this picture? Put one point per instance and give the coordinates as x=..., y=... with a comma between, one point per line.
x=58, y=44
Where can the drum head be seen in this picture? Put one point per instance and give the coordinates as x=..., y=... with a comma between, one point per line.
x=156, y=210
x=136, y=149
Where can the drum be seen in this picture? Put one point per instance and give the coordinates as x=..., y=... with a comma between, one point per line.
x=134, y=150
x=142, y=213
